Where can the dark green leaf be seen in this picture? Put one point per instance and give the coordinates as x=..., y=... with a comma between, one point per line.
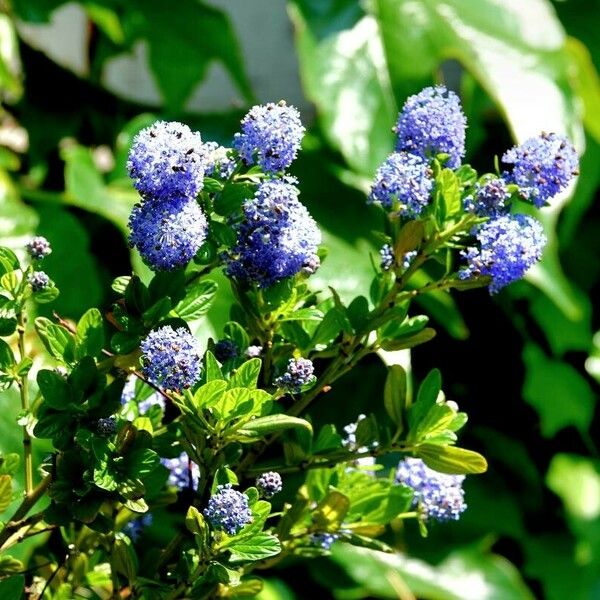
x=90, y=333
x=197, y=301
x=394, y=393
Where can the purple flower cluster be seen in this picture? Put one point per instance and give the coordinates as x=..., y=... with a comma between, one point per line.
x=403, y=181
x=135, y=528
x=269, y=484
x=387, y=257
x=439, y=496
x=271, y=136
x=324, y=540
x=226, y=350
x=507, y=247
x=106, y=426
x=167, y=235
x=490, y=199
x=432, y=122
x=182, y=471
x=299, y=372
x=228, y=509
x=218, y=161
x=171, y=358
x=38, y=247
x=38, y=280
x=542, y=166
x=277, y=237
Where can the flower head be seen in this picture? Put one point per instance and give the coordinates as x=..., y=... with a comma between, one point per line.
x=38, y=280
x=218, y=161
x=324, y=540
x=167, y=235
x=277, y=237
x=182, y=471
x=507, y=247
x=542, y=166
x=228, y=510
x=269, y=484
x=299, y=372
x=438, y=495
x=38, y=247
x=387, y=257
x=271, y=136
x=226, y=350
x=432, y=122
x=253, y=351
x=167, y=160
x=405, y=178
x=106, y=426
x=135, y=528
x=490, y=198
x=171, y=358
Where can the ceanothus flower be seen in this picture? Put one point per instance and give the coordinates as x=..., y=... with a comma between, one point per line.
x=38, y=247
x=325, y=540
x=349, y=441
x=226, y=350
x=167, y=234
x=432, y=122
x=218, y=161
x=228, y=509
x=277, y=237
x=181, y=468
x=271, y=136
x=106, y=426
x=299, y=372
x=507, y=247
x=135, y=528
x=438, y=495
x=269, y=484
x=542, y=166
x=387, y=257
x=167, y=160
x=405, y=178
x=490, y=198
x=171, y=358
x=253, y=351
x=38, y=280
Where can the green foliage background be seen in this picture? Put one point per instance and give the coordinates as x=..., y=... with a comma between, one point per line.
x=524, y=365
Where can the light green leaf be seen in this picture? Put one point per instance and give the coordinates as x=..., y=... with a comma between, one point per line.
x=449, y=459
x=197, y=301
x=90, y=333
x=262, y=426
x=256, y=548
x=5, y=492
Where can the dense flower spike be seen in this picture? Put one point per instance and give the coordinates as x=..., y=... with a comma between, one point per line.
x=269, y=484
x=508, y=247
x=38, y=280
x=271, y=136
x=218, y=161
x=167, y=235
x=438, y=495
x=432, y=122
x=167, y=160
x=406, y=179
x=277, y=237
x=490, y=198
x=387, y=257
x=299, y=372
x=106, y=426
x=228, y=510
x=181, y=469
x=171, y=358
x=226, y=350
x=39, y=247
x=542, y=166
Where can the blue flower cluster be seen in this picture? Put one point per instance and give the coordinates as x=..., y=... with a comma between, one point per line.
x=299, y=372
x=171, y=358
x=432, y=122
x=271, y=136
x=167, y=163
x=228, y=509
x=219, y=162
x=387, y=257
x=490, y=199
x=38, y=247
x=439, y=496
x=106, y=426
x=507, y=247
x=38, y=280
x=277, y=237
x=324, y=540
x=167, y=235
x=542, y=166
x=182, y=471
x=226, y=350
x=269, y=484
x=135, y=528
x=406, y=179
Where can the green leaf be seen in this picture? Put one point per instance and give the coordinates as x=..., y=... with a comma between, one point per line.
x=259, y=547
x=119, y=284
x=189, y=38
x=9, y=464
x=247, y=374
x=57, y=339
x=304, y=314
x=237, y=334
x=493, y=41
x=9, y=565
x=209, y=394
x=426, y=397
x=8, y=261
x=197, y=301
x=7, y=358
x=142, y=462
x=211, y=366
x=409, y=341
x=5, y=492
x=13, y=587
x=46, y=295
x=450, y=194
x=449, y=459
x=232, y=197
x=356, y=113
x=123, y=557
x=90, y=333
x=11, y=76
x=8, y=326
x=394, y=393
x=331, y=511
x=265, y=425
x=56, y=391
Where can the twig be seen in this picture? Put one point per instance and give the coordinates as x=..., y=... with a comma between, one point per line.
x=24, y=392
